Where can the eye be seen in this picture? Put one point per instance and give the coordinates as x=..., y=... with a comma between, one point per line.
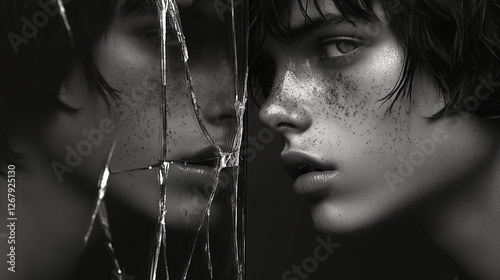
x=340, y=52
x=338, y=48
x=152, y=35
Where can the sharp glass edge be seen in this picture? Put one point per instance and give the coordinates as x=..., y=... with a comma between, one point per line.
x=164, y=172
x=101, y=212
x=103, y=218
x=174, y=17
x=207, y=246
x=160, y=235
x=206, y=213
x=103, y=186
x=162, y=13
x=64, y=17
x=114, y=259
x=240, y=110
x=227, y=160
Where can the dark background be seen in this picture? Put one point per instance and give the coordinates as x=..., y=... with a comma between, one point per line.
x=280, y=233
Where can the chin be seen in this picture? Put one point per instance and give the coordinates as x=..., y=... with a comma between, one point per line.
x=342, y=221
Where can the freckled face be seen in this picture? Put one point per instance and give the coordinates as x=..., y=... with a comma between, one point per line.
x=128, y=57
x=356, y=163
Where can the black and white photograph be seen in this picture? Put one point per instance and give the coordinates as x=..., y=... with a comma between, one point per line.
x=250, y=139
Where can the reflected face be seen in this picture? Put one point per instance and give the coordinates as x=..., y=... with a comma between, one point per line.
x=353, y=161
x=128, y=57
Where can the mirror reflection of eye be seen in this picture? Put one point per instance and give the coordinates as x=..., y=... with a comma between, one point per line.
x=339, y=48
x=153, y=36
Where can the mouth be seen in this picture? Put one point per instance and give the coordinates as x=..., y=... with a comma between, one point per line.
x=312, y=176
x=208, y=156
x=298, y=163
x=295, y=171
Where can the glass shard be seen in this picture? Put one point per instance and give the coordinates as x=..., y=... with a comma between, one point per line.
x=64, y=17
x=173, y=178
x=102, y=188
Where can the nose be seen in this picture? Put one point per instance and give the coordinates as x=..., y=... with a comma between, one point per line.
x=213, y=83
x=214, y=89
x=285, y=111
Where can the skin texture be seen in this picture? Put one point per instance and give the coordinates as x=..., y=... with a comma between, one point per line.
x=375, y=164
x=128, y=58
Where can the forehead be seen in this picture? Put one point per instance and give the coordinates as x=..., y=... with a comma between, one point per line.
x=353, y=10
x=145, y=7
x=314, y=9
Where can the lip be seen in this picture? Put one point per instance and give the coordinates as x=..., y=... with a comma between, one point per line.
x=207, y=156
x=199, y=167
x=190, y=176
x=315, y=183
x=312, y=176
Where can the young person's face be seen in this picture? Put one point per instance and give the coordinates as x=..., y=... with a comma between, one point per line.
x=128, y=56
x=354, y=162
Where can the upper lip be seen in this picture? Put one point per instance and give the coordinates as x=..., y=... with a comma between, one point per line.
x=299, y=163
x=207, y=156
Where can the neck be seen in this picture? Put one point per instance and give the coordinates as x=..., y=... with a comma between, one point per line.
x=465, y=223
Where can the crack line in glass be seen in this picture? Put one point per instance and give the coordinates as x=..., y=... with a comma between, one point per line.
x=103, y=187
x=168, y=12
x=62, y=13
x=161, y=231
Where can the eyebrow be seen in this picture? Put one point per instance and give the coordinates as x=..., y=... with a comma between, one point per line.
x=133, y=8
x=296, y=33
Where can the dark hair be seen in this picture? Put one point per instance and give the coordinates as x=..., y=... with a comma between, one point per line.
x=458, y=41
x=33, y=66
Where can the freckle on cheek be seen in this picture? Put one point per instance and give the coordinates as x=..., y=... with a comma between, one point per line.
x=344, y=96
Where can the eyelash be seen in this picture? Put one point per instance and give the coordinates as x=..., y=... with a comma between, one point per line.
x=153, y=35
x=341, y=60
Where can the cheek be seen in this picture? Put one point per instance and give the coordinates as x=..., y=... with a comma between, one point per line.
x=136, y=109
x=134, y=71
x=355, y=93
x=357, y=120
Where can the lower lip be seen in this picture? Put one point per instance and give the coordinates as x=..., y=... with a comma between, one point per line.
x=315, y=183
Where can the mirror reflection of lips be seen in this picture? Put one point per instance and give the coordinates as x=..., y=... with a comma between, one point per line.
x=190, y=184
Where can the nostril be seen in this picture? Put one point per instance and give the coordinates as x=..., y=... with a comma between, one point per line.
x=284, y=125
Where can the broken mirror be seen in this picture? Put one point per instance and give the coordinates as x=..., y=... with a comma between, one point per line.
x=170, y=201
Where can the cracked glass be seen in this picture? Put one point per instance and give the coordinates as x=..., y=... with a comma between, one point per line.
x=171, y=175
